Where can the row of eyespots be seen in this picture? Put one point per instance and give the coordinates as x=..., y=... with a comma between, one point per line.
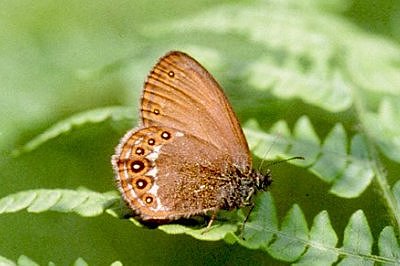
x=140, y=165
x=151, y=141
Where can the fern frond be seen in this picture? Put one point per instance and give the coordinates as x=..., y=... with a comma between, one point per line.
x=75, y=121
x=295, y=243
x=82, y=202
x=346, y=168
x=290, y=241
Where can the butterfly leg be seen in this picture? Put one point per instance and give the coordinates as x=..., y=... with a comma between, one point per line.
x=245, y=220
x=213, y=217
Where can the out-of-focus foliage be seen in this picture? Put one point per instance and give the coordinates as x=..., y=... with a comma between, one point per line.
x=312, y=78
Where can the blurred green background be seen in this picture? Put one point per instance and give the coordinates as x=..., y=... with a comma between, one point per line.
x=60, y=58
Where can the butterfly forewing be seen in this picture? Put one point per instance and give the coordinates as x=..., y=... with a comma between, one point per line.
x=179, y=93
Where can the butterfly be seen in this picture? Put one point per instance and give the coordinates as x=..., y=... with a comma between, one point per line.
x=188, y=156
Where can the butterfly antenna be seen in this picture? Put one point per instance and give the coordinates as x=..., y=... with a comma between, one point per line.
x=265, y=154
x=288, y=159
x=280, y=161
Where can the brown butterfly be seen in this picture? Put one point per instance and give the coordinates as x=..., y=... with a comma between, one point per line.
x=189, y=155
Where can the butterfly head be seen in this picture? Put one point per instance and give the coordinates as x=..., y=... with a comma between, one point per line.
x=262, y=181
x=250, y=183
